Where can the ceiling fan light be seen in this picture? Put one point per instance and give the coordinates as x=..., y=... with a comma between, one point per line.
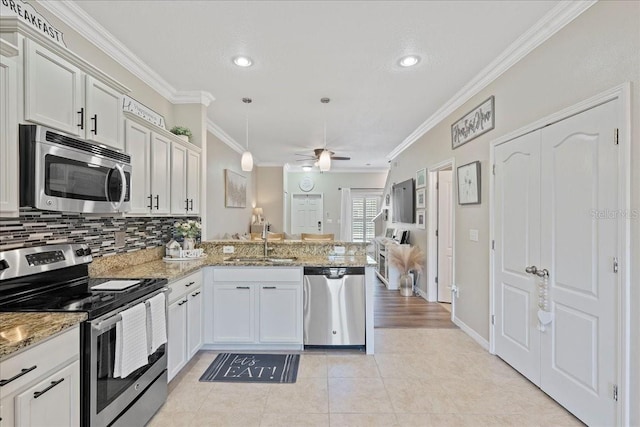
x=247, y=161
x=306, y=168
x=324, y=162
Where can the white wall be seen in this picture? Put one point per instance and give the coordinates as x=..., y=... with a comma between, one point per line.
x=597, y=51
x=220, y=219
x=269, y=190
x=328, y=183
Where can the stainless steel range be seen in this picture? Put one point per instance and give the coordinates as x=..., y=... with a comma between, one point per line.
x=55, y=278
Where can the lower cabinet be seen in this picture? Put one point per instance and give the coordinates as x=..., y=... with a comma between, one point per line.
x=41, y=385
x=254, y=306
x=185, y=321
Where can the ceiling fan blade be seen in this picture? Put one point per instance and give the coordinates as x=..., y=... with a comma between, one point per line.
x=340, y=158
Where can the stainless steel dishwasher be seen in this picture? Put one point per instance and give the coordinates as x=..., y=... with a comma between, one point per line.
x=334, y=306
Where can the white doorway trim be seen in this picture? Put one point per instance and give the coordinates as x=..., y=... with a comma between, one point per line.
x=432, y=226
x=622, y=92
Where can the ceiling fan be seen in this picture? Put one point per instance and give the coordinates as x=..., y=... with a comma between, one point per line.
x=316, y=155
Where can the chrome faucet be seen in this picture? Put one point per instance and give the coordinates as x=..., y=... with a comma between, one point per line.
x=264, y=238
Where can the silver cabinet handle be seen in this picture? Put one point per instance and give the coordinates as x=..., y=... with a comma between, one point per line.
x=531, y=270
x=542, y=273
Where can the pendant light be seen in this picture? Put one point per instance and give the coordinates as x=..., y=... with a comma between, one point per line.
x=324, y=161
x=247, y=159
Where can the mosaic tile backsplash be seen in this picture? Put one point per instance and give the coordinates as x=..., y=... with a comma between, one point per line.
x=36, y=228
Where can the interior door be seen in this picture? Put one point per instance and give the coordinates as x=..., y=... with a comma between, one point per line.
x=445, y=235
x=579, y=178
x=517, y=246
x=306, y=213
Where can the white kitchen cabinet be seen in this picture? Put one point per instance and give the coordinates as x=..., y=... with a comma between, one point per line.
x=8, y=131
x=254, y=307
x=150, y=155
x=280, y=314
x=60, y=95
x=43, y=383
x=185, y=180
x=54, y=401
x=234, y=313
x=185, y=321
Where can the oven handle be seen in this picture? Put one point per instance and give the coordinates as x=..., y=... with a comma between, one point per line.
x=112, y=320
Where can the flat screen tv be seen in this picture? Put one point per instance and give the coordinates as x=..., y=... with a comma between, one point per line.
x=403, y=195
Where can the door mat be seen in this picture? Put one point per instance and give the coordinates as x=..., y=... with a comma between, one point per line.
x=253, y=368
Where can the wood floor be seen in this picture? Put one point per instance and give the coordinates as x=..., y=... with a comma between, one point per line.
x=391, y=310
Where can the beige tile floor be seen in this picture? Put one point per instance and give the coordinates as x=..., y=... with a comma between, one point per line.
x=418, y=377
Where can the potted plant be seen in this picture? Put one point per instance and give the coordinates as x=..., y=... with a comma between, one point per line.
x=183, y=132
x=189, y=229
x=406, y=258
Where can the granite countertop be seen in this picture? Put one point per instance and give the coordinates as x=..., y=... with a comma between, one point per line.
x=175, y=269
x=22, y=329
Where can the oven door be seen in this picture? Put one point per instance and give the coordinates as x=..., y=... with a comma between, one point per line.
x=108, y=396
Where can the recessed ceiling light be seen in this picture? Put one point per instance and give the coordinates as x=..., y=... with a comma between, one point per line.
x=409, y=60
x=242, y=61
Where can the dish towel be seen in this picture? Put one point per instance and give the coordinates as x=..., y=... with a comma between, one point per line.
x=157, y=322
x=131, y=341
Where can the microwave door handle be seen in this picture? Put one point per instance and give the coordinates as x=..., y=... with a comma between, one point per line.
x=123, y=193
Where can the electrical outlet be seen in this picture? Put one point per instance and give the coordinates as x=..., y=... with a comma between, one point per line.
x=228, y=249
x=338, y=250
x=120, y=238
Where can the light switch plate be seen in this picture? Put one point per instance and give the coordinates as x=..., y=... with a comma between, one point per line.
x=473, y=235
x=338, y=250
x=228, y=249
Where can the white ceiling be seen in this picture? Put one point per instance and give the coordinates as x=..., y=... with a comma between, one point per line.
x=305, y=50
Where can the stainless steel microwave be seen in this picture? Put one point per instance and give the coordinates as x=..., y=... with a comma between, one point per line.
x=61, y=173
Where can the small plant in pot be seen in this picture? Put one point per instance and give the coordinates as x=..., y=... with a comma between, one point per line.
x=406, y=258
x=183, y=132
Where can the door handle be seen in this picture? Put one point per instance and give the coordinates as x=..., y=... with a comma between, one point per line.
x=319, y=225
x=37, y=394
x=22, y=372
x=186, y=204
x=532, y=270
x=542, y=273
x=157, y=201
x=81, y=124
x=150, y=197
x=191, y=206
x=95, y=124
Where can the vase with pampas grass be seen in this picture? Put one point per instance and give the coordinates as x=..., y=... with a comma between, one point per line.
x=406, y=258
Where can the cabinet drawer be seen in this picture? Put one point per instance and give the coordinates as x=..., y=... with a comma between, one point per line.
x=258, y=274
x=181, y=286
x=44, y=356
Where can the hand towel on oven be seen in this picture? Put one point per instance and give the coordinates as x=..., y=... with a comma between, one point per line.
x=157, y=322
x=131, y=341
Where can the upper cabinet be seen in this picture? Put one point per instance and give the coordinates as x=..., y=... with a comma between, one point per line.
x=8, y=130
x=185, y=180
x=60, y=95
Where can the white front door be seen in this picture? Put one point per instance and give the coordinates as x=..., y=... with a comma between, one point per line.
x=579, y=178
x=445, y=235
x=306, y=213
x=560, y=330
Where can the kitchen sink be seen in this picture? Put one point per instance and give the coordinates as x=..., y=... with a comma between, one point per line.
x=260, y=259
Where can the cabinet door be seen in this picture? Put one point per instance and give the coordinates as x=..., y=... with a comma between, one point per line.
x=194, y=322
x=138, y=145
x=177, y=340
x=193, y=182
x=8, y=137
x=179, y=203
x=280, y=313
x=103, y=119
x=160, y=164
x=234, y=313
x=55, y=401
x=53, y=91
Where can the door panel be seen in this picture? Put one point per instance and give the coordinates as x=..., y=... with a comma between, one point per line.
x=445, y=236
x=306, y=213
x=517, y=246
x=579, y=177
x=138, y=146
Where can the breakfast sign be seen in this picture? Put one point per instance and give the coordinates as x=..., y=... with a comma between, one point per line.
x=478, y=121
x=26, y=13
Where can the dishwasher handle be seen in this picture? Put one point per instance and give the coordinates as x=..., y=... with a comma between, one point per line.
x=334, y=272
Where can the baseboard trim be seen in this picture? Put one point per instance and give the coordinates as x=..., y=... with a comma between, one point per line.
x=473, y=334
x=422, y=294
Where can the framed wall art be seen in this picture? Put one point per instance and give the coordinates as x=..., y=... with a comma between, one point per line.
x=235, y=190
x=421, y=198
x=478, y=121
x=421, y=218
x=421, y=178
x=469, y=184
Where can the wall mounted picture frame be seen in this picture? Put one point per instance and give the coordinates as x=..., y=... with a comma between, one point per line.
x=235, y=190
x=468, y=178
x=421, y=178
x=421, y=198
x=421, y=218
x=476, y=122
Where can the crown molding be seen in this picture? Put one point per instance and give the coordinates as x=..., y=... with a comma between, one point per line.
x=551, y=23
x=81, y=22
x=193, y=97
x=224, y=137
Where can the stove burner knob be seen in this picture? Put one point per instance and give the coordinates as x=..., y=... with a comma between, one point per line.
x=87, y=251
x=80, y=252
x=3, y=265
